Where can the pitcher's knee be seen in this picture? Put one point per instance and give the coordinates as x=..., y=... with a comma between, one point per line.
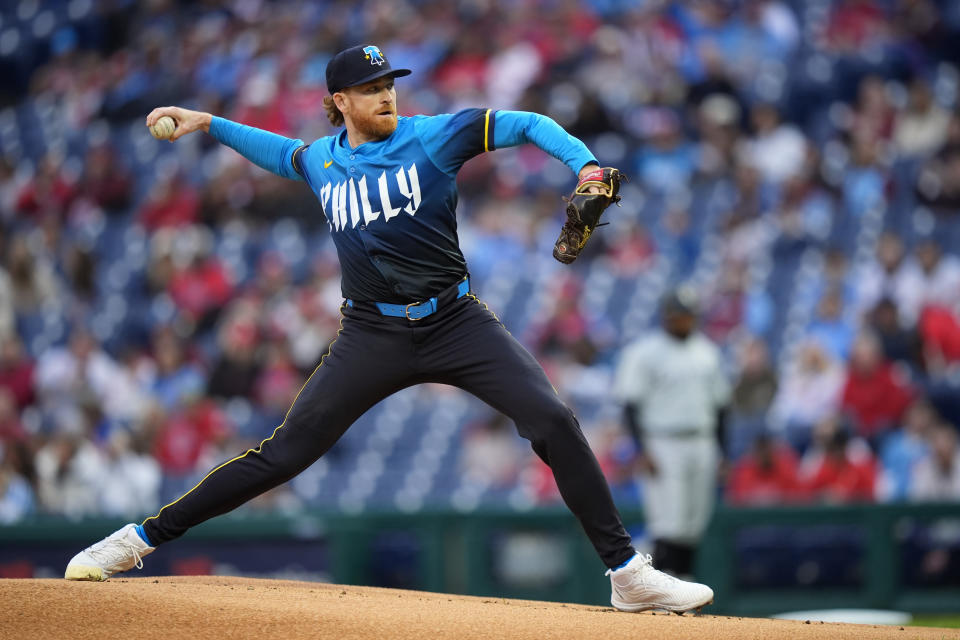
x=562, y=416
x=286, y=456
x=554, y=423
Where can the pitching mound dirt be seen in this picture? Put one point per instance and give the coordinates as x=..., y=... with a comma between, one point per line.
x=219, y=607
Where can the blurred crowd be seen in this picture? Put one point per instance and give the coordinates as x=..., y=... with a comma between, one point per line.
x=160, y=305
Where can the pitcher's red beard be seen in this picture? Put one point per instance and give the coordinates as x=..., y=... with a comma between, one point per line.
x=376, y=125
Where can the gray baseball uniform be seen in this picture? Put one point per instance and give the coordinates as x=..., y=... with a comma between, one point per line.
x=678, y=387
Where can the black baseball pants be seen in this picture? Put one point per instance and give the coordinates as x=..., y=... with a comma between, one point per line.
x=463, y=344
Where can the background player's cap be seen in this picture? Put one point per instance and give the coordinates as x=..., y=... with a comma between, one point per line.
x=682, y=300
x=357, y=65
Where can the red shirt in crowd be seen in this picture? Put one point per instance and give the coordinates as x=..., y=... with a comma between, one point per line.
x=724, y=313
x=270, y=117
x=186, y=436
x=200, y=287
x=11, y=430
x=179, y=206
x=839, y=479
x=875, y=400
x=940, y=332
x=757, y=482
x=18, y=378
x=854, y=24
x=46, y=194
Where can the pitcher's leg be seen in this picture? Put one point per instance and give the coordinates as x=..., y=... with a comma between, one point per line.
x=498, y=370
x=361, y=368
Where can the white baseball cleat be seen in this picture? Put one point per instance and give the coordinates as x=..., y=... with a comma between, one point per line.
x=637, y=586
x=121, y=550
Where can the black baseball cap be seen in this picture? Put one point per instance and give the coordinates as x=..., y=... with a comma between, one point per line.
x=358, y=65
x=682, y=300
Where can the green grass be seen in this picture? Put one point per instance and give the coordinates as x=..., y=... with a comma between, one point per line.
x=949, y=620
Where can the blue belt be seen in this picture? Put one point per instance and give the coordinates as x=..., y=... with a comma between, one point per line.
x=417, y=310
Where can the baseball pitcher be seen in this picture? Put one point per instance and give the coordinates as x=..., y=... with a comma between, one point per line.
x=387, y=188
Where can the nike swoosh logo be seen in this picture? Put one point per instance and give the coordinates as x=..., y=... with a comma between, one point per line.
x=327, y=164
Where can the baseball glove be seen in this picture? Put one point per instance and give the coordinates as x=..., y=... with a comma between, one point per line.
x=584, y=210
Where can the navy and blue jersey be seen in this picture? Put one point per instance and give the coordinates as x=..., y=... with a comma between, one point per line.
x=391, y=204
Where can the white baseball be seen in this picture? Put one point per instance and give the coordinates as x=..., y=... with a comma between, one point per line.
x=163, y=128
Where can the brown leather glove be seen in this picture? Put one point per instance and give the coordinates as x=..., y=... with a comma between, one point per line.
x=595, y=191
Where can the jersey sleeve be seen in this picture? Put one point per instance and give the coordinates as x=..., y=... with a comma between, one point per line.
x=269, y=151
x=520, y=127
x=451, y=139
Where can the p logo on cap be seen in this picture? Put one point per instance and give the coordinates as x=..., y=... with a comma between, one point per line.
x=373, y=54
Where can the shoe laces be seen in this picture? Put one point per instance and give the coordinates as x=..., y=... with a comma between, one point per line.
x=645, y=559
x=644, y=572
x=111, y=551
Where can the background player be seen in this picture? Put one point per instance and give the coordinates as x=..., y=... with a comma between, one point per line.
x=675, y=394
x=387, y=186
